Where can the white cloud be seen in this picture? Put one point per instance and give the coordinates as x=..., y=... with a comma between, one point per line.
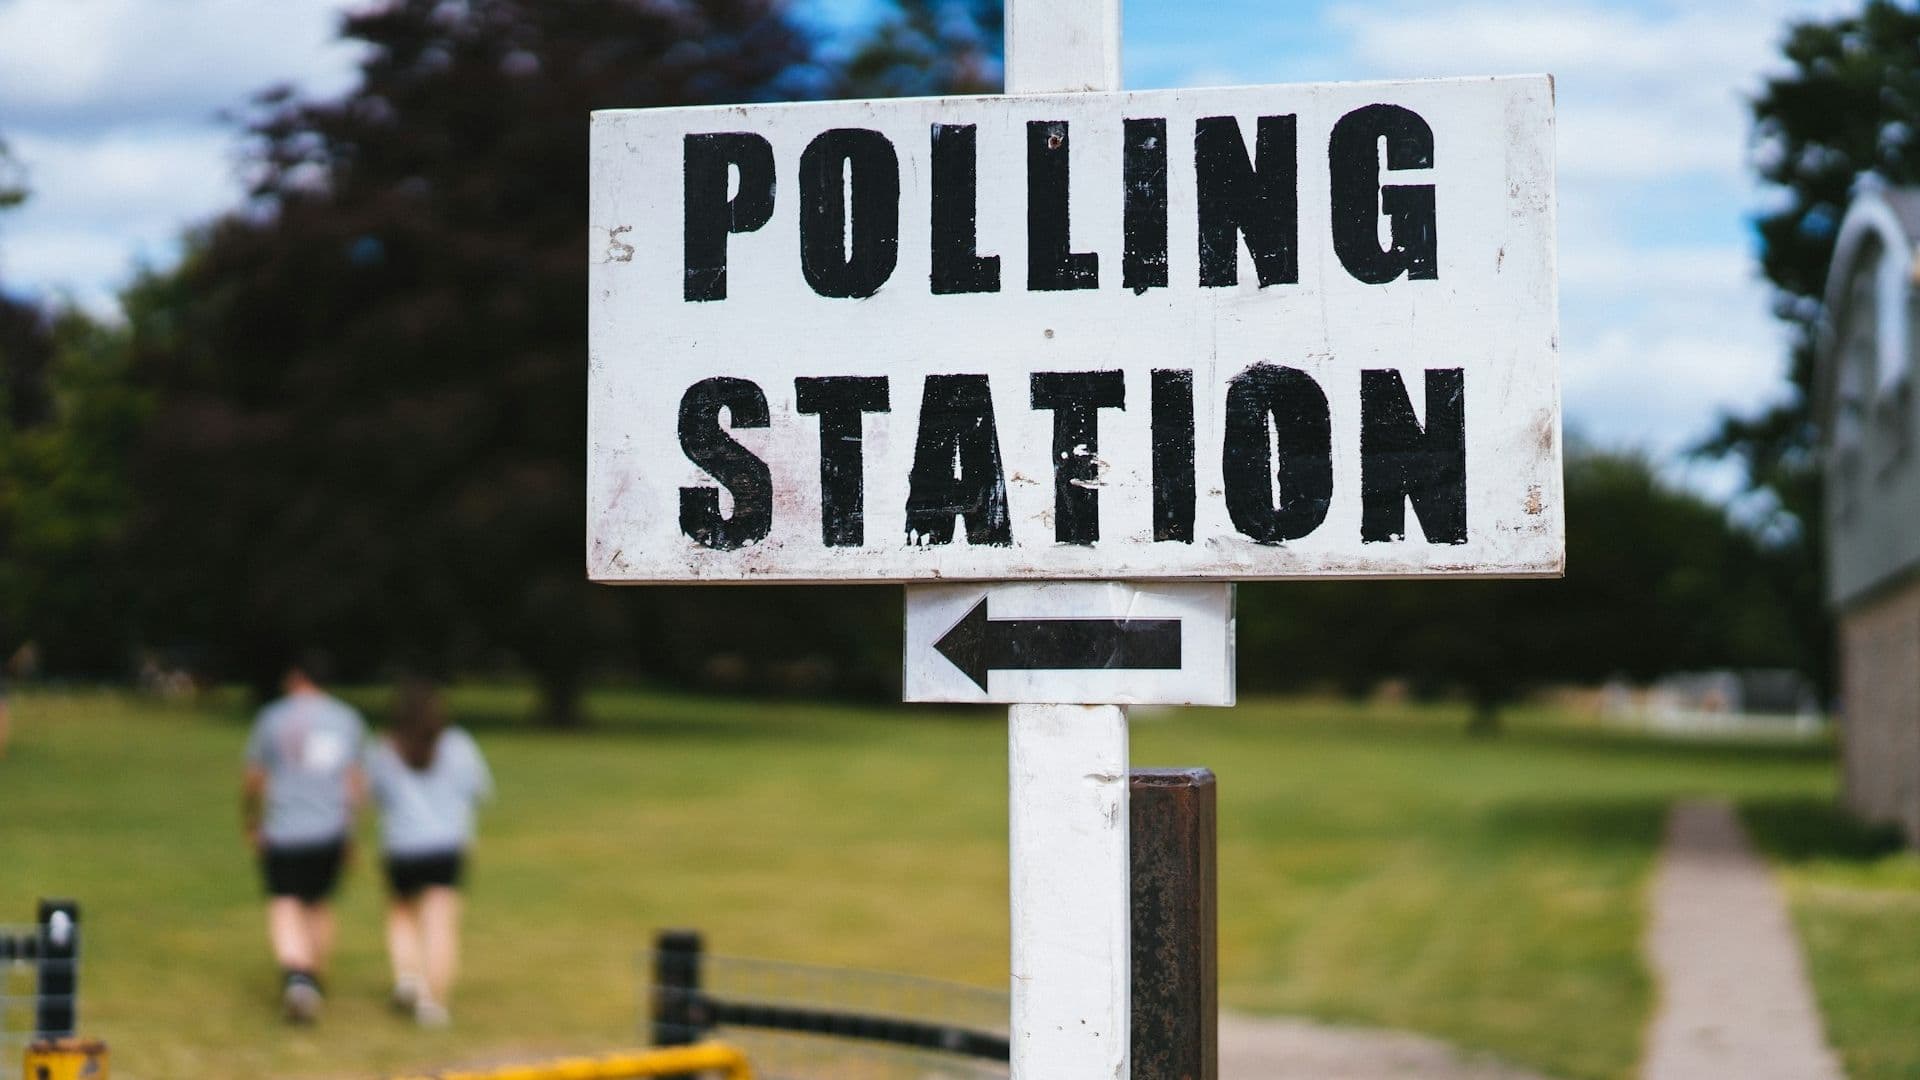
x=1657, y=342
x=1702, y=41
x=1641, y=93
x=113, y=107
x=1644, y=385
x=127, y=174
x=1606, y=270
x=1633, y=142
x=104, y=201
x=108, y=63
x=83, y=265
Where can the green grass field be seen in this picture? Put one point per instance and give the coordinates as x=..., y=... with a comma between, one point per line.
x=1858, y=912
x=1376, y=865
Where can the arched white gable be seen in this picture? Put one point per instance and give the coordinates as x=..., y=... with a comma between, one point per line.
x=1870, y=219
x=1852, y=350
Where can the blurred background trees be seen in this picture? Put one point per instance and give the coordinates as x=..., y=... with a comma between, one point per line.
x=1658, y=580
x=352, y=416
x=68, y=418
x=375, y=370
x=923, y=48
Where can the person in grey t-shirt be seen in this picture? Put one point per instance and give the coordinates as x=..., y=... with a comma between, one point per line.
x=427, y=778
x=303, y=785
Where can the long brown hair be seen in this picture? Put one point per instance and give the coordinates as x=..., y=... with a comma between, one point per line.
x=418, y=719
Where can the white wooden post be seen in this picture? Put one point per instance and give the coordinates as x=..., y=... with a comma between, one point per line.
x=1062, y=46
x=1067, y=764
x=1067, y=827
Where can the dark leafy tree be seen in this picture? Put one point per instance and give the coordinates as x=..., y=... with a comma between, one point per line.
x=65, y=575
x=922, y=48
x=26, y=351
x=370, y=431
x=1848, y=105
x=26, y=354
x=1658, y=580
x=67, y=418
x=26, y=339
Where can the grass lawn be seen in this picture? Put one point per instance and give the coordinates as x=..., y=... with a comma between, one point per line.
x=1856, y=903
x=1376, y=866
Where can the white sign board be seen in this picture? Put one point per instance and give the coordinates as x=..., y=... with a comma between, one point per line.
x=1256, y=332
x=1071, y=642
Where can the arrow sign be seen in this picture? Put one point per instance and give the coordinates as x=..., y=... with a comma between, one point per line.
x=978, y=644
x=1070, y=643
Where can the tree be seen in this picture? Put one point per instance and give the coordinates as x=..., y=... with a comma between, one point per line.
x=929, y=47
x=67, y=419
x=25, y=341
x=1850, y=104
x=1658, y=580
x=26, y=352
x=369, y=432
x=65, y=579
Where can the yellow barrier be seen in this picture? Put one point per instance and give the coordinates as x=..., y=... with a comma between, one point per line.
x=668, y=1061
x=66, y=1059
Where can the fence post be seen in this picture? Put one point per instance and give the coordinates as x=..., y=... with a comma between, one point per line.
x=1175, y=1029
x=59, y=979
x=678, y=1018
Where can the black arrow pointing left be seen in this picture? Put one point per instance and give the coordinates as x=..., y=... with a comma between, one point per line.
x=978, y=644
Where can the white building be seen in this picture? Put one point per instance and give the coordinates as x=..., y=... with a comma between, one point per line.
x=1869, y=416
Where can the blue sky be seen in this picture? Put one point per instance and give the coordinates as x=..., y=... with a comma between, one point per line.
x=113, y=105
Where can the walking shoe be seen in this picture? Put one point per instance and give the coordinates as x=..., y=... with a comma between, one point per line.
x=431, y=1014
x=406, y=995
x=300, y=1000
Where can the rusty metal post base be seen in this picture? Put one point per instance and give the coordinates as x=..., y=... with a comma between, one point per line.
x=1175, y=1032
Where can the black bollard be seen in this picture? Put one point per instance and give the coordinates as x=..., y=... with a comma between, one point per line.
x=679, y=1015
x=59, y=982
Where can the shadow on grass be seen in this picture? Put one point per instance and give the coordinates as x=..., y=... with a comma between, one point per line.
x=697, y=717
x=1792, y=828
x=1806, y=828
x=704, y=726
x=1634, y=823
x=1520, y=731
x=1628, y=744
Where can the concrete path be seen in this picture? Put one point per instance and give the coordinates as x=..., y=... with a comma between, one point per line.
x=1733, y=995
x=1253, y=1048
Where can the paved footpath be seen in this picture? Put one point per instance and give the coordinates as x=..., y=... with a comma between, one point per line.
x=1733, y=992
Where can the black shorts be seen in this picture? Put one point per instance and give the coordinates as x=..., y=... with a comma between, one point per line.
x=409, y=875
x=307, y=872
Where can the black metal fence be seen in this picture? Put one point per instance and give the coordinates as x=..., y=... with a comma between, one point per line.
x=40, y=975
x=687, y=1004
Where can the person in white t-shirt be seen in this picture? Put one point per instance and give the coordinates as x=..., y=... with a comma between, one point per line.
x=427, y=779
x=302, y=787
